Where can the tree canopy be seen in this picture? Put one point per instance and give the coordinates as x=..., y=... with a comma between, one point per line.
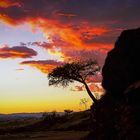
x=75, y=71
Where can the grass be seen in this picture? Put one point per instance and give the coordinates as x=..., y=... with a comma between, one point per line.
x=46, y=135
x=67, y=127
x=16, y=123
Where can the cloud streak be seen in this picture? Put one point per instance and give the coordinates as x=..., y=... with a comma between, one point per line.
x=9, y=3
x=44, y=66
x=16, y=52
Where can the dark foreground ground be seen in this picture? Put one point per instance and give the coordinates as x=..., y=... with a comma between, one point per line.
x=50, y=127
x=46, y=135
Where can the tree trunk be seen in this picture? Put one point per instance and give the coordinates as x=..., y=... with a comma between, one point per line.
x=90, y=93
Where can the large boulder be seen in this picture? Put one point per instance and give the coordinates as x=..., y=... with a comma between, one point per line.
x=122, y=65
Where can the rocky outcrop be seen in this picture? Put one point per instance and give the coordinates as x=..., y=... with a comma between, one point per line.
x=116, y=116
x=122, y=65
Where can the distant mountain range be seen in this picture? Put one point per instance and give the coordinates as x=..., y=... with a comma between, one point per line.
x=24, y=115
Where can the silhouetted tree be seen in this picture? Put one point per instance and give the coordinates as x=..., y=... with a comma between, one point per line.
x=75, y=71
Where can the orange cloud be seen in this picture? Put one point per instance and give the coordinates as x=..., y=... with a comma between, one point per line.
x=94, y=87
x=62, y=37
x=95, y=79
x=79, y=24
x=67, y=54
x=9, y=3
x=78, y=88
x=44, y=66
x=16, y=52
x=73, y=36
x=70, y=38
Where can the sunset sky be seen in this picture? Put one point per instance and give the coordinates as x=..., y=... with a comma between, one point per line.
x=39, y=35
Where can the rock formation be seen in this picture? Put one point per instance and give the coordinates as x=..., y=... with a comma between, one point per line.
x=122, y=65
x=117, y=114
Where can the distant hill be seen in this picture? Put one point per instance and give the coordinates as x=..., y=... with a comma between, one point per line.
x=79, y=121
x=24, y=115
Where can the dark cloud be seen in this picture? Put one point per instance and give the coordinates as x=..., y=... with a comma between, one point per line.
x=98, y=55
x=91, y=10
x=17, y=52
